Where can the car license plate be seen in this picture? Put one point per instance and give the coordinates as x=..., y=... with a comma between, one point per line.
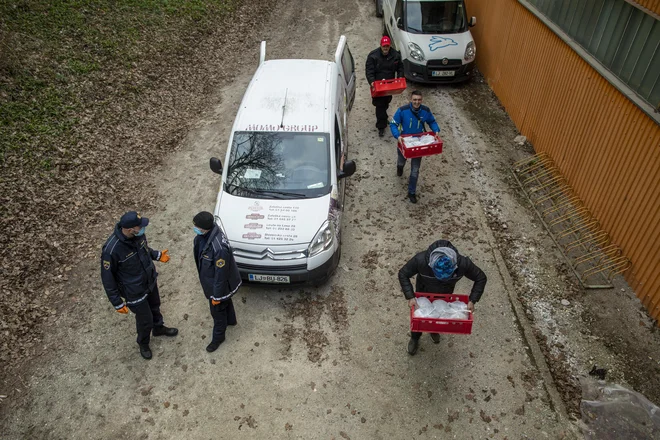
x=281, y=279
x=443, y=73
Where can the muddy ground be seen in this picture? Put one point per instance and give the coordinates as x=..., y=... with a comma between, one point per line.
x=330, y=362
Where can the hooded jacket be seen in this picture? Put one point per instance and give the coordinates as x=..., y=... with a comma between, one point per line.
x=218, y=272
x=127, y=268
x=428, y=283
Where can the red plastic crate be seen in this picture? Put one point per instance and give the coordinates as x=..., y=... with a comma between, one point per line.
x=435, y=325
x=424, y=150
x=388, y=87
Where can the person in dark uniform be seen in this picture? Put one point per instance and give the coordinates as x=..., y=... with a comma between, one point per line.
x=383, y=63
x=129, y=278
x=218, y=274
x=438, y=269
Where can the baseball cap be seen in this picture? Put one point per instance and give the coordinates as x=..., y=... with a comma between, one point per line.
x=385, y=41
x=132, y=219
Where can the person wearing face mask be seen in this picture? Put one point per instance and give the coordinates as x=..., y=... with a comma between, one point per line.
x=129, y=278
x=410, y=119
x=383, y=63
x=438, y=269
x=218, y=274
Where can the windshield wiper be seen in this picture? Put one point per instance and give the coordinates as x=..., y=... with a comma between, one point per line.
x=280, y=193
x=242, y=189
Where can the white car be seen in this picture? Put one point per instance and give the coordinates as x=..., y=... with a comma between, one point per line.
x=433, y=37
x=282, y=194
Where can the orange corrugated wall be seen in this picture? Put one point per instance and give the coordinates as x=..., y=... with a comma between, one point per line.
x=605, y=146
x=652, y=5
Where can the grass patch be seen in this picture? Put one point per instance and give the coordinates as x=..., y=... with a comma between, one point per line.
x=58, y=57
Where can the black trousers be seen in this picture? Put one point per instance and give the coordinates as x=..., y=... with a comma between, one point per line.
x=381, y=104
x=223, y=315
x=415, y=335
x=147, y=316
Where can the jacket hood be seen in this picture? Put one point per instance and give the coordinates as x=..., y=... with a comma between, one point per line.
x=209, y=236
x=439, y=244
x=121, y=237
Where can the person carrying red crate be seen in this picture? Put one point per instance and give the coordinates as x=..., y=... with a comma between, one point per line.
x=410, y=119
x=383, y=63
x=438, y=269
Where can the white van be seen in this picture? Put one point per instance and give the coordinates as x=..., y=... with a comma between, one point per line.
x=282, y=194
x=433, y=37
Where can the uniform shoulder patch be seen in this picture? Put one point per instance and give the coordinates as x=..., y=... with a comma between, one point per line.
x=220, y=262
x=106, y=265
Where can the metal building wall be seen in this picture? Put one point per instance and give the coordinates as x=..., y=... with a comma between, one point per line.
x=606, y=147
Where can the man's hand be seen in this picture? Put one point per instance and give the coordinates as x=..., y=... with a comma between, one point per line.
x=412, y=302
x=164, y=256
x=214, y=302
x=470, y=306
x=123, y=310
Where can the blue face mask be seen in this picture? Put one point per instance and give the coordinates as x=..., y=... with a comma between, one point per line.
x=443, y=268
x=140, y=233
x=198, y=231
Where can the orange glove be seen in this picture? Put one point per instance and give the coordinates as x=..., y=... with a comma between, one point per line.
x=123, y=310
x=214, y=302
x=164, y=256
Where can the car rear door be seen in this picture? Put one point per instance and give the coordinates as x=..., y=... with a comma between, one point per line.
x=346, y=65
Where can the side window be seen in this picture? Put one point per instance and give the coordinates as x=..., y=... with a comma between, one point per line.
x=347, y=63
x=398, y=10
x=337, y=144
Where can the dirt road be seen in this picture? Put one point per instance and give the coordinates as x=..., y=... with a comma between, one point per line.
x=308, y=363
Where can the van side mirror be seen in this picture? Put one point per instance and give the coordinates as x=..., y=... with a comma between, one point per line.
x=216, y=165
x=399, y=23
x=348, y=169
x=473, y=21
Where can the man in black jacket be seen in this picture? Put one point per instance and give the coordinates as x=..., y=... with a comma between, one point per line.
x=383, y=63
x=218, y=274
x=129, y=278
x=438, y=269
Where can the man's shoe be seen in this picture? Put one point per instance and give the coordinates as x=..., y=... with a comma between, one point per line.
x=165, y=331
x=213, y=346
x=145, y=351
x=435, y=337
x=412, y=197
x=399, y=170
x=381, y=132
x=412, y=346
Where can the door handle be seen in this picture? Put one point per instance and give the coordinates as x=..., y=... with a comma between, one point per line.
x=391, y=21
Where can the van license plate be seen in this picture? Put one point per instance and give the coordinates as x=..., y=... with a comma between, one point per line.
x=281, y=279
x=443, y=72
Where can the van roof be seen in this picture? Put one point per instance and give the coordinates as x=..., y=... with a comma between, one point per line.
x=306, y=84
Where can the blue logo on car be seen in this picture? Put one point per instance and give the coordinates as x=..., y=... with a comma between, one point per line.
x=440, y=42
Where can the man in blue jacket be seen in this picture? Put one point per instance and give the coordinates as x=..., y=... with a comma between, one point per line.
x=410, y=119
x=129, y=278
x=218, y=274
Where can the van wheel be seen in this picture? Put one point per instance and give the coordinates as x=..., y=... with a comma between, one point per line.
x=379, y=8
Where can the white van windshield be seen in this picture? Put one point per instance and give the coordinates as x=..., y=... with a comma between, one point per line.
x=279, y=165
x=435, y=17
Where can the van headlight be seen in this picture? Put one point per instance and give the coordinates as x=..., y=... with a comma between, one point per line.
x=416, y=52
x=322, y=240
x=470, y=51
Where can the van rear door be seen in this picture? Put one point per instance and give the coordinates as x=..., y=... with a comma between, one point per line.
x=346, y=64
